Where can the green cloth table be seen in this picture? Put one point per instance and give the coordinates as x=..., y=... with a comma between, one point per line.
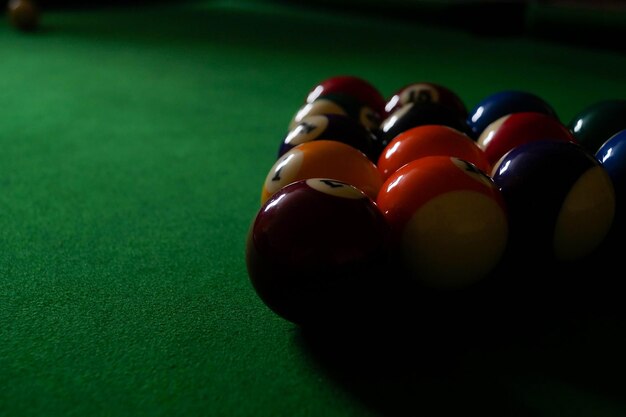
x=134, y=143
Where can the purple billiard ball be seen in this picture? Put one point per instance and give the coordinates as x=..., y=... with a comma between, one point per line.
x=560, y=200
x=314, y=251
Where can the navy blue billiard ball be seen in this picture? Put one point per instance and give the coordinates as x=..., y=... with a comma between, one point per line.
x=502, y=103
x=612, y=156
x=596, y=123
x=315, y=251
x=560, y=200
x=329, y=127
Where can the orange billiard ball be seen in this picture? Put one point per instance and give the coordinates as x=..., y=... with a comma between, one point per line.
x=23, y=14
x=448, y=221
x=323, y=159
x=430, y=140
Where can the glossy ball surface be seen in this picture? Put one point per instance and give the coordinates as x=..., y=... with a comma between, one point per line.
x=612, y=156
x=515, y=129
x=341, y=104
x=329, y=127
x=350, y=85
x=448, y=221
x=430, y=140
x=413, y=115
x=499, y=104
x=315, y=250
x=426, y=92
x=596, y=123
x=560, y=200
x=23, y=14
x=323, y=159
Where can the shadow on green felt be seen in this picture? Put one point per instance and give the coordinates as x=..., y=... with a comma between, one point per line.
x=523, y=350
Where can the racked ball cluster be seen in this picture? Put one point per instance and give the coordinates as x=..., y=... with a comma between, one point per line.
x=367, y=193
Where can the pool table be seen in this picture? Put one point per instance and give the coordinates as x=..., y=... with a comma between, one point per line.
x=135, y=142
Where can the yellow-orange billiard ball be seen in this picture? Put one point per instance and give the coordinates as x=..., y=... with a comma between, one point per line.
x=23, y=14
x=323, y=159
x=448, y=221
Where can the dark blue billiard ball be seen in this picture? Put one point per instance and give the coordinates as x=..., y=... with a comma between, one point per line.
x=502, y=103
x=560, y=200
x=336, y=127
x=612, y=156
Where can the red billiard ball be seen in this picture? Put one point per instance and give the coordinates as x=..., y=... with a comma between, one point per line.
x=430, y=140
x=23, y=14
x=315, y=251
x=353, y=86
x=448, y=220
x=426, y=92
x=323, y=159
x=515, y=129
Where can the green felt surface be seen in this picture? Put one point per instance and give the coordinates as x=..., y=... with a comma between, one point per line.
x=134, y=142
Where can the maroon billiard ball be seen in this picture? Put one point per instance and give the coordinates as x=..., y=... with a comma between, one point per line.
x=426, y=92
x=350, y=85
x=315, y=251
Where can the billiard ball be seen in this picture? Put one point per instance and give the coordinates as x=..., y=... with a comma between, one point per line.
x=315, y=250
x=323, y=159
x=417, y=114
x=426, y=92
x=501, y=103
x=514, y=129
x=350, y=85
x=337, y=103
x=329, y=127
x=23, y=14
x=596, y=123
x=448, y=222
x=560, y=201
x=612, y=156
x=430, y=140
